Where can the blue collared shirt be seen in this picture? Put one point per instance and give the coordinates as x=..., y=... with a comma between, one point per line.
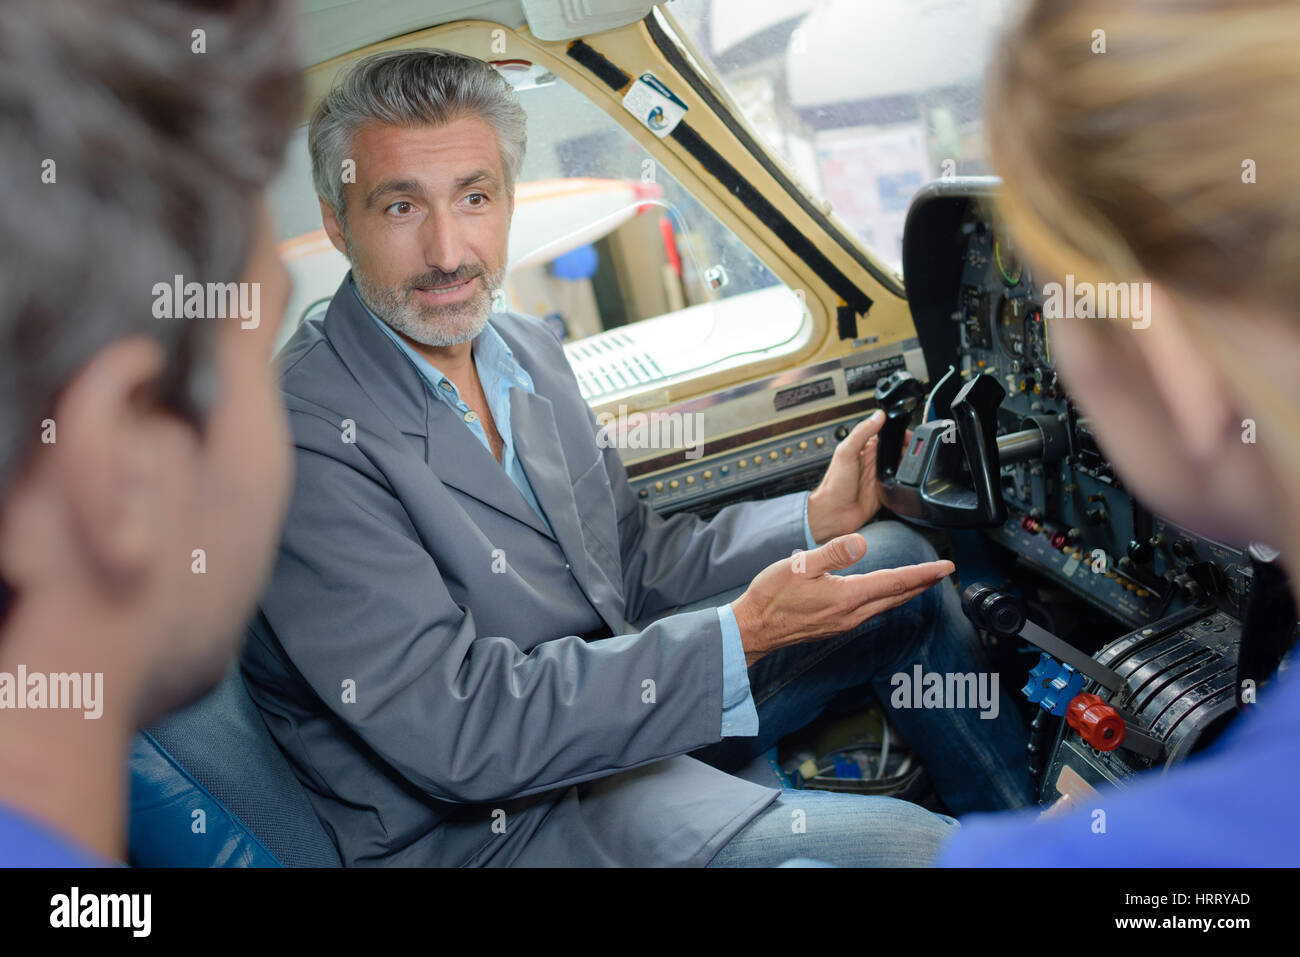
x=499, y=372
x=27, y=842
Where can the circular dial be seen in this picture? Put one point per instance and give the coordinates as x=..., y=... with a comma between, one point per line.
x=1037, y=348
x=1011, y=326
x=1009, y=264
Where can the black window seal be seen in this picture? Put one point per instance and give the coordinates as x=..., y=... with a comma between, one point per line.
x=702, y=89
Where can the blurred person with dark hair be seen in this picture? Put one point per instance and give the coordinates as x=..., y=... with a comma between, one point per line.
x=136, y=151
x=1171, y=158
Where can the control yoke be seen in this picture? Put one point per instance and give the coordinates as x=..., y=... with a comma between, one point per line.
x=948, y=476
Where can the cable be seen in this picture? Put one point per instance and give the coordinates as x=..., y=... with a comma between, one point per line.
x=929, y=399
x=882, y=760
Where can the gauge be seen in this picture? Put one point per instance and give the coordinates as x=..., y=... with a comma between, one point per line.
x=1037, y=348
x=1011, y=326
x=1008, y=262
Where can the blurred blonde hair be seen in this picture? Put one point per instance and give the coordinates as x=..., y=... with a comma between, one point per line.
x=1132, y=163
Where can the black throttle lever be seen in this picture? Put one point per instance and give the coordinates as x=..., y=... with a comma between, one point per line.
x=1002, y=614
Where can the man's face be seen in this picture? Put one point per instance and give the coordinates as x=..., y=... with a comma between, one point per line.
x=427, y=225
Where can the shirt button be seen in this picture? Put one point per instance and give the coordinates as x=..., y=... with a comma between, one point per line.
x=471, y=416
x=446, y=384
x=568, y=567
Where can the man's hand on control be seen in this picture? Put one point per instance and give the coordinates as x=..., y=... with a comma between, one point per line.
x=848, y=495
x=798, y=599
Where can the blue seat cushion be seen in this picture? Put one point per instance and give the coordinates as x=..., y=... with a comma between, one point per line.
x=210, y=788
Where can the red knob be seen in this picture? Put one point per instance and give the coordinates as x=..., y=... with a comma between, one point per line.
x=1097, y=722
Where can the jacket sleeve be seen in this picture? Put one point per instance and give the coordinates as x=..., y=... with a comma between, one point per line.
x=682, y=558
x=360, y=608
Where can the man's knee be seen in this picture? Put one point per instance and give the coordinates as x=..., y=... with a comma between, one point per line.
x=902, y=632
x=844, y=830
x=892, y=544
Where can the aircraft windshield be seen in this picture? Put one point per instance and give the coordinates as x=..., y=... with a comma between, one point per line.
x=865, y=101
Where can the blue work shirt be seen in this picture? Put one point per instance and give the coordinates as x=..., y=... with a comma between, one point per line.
x=26, y=842
x=499, y=372
x=1232, y=805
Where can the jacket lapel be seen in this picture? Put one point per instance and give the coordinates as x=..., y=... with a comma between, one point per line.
x=537, y=443
x=397, y=388
x=459, y=459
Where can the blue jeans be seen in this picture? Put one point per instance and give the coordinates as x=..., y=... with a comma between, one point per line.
x=843, y=830
x=976, y=763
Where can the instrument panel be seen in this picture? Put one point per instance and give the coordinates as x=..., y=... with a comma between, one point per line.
x=1065, y=518
x=1069, y=517
x=986, y=436
x=1071, y=520
x=790, y=462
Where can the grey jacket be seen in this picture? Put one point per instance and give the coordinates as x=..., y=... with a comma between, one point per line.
x=452, y=684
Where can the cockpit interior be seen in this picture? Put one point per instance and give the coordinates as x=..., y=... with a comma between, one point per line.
x=751, y=226
x=748, y=238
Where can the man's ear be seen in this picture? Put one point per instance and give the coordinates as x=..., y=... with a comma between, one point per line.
x=1197, y=398
x=332, y=227
x=113, y=452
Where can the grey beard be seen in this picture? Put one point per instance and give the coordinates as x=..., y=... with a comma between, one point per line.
x=429, y=324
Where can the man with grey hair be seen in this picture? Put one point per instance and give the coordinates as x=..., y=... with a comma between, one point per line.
x=364, y=105
x=480, y=647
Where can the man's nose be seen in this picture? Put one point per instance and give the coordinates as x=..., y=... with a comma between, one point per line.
x=444, y=246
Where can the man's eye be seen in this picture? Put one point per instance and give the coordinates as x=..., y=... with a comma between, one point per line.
x=476, y=199
x=402, y=207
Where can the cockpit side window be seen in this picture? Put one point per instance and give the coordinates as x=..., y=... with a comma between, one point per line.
x=643, y=284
